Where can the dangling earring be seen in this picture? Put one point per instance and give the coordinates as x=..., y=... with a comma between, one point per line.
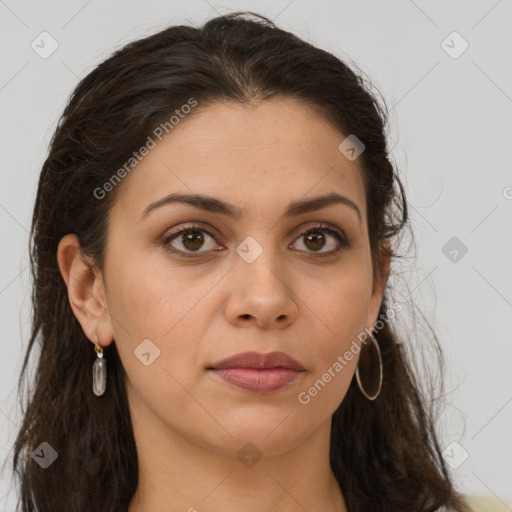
x=99, y=371
x=369, y=367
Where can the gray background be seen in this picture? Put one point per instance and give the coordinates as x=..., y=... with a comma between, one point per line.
x=451, y=138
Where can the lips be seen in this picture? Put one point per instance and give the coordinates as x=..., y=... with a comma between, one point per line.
x=258, y=372
x=259, y=360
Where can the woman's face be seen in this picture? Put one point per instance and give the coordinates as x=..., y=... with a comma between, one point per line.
x=255, y=282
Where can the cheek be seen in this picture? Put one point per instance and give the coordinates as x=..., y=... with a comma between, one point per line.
x=340, y=316
x=337, y=311
x=157, y=317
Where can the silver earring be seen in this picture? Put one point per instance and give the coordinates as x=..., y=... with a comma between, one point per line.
x=99, y=371
x=369, y=369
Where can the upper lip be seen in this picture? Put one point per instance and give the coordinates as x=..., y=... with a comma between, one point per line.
x=258, y=360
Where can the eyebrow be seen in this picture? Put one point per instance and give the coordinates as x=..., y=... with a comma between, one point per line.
x=214, y=205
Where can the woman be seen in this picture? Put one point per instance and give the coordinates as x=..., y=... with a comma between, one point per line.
x=212, y=241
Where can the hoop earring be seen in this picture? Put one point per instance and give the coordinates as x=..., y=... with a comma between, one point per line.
x=99, y=371
x=369, y=367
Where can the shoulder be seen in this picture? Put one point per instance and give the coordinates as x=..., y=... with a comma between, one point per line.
x=488, y=504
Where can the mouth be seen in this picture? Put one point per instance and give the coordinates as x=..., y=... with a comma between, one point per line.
x=258, y=372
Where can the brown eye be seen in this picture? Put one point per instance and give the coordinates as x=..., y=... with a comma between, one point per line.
x=189, y=240
x=192, y=240
x=316, y=238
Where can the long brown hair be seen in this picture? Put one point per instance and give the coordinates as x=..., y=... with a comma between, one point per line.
x=385, y=454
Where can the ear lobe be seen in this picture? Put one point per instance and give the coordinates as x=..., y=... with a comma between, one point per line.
x=86, y=291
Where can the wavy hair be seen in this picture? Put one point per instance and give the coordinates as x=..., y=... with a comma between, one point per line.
x=384, y=453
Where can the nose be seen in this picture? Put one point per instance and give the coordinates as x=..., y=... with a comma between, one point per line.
x=261, y=293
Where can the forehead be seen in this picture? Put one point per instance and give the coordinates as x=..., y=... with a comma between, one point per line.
x=260, y=157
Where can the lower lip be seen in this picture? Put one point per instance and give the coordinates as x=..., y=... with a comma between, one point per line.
x=260, y=381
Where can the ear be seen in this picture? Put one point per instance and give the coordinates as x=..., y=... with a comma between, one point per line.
x=86, y=291
x=379, y=282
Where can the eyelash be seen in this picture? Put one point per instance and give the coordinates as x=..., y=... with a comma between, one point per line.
x=320, y=227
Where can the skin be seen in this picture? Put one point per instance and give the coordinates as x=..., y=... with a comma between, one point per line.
x=190, y=424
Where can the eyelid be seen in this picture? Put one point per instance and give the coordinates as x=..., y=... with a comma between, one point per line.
x=189, y=227
x=321, y=226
